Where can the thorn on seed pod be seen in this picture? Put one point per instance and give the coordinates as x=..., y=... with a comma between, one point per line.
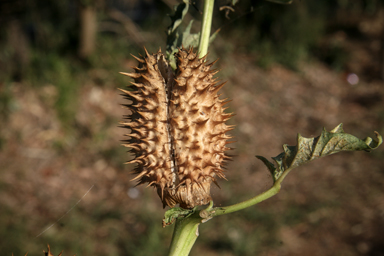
x=182, y=127
x=48, y=253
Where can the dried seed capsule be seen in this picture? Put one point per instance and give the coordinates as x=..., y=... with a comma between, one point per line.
x=178, y=130
x=149, y=137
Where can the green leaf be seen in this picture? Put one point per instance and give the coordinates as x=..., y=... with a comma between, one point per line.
x=174, y=39
x=308, y=149
x=176, y=19
x=186, y=39
x=213, y=36
x=190, y=39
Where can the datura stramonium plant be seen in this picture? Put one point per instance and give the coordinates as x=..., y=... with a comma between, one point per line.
x=177, y=127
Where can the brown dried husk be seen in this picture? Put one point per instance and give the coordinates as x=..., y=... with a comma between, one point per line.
x=178, y=131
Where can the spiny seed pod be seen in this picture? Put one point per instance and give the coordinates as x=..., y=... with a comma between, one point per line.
x=178, y=131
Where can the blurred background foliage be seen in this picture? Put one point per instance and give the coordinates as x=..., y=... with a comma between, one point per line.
x=59, y=111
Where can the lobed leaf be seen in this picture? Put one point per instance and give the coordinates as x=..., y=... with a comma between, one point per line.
x=308, y=149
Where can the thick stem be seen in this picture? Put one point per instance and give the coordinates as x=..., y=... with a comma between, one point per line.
x=206, y=24
x=184, y=235
x=186, y=229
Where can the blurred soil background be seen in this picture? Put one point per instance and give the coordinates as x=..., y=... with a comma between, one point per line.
x=290, y=69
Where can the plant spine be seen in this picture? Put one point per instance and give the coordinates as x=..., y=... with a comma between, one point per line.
x=178, y=131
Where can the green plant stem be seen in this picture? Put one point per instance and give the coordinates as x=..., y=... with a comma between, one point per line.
x=186, y=229
x=250, y=202
x=206, y=24
x=184, y=235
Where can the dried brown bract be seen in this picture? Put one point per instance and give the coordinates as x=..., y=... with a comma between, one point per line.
x=178, y=131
